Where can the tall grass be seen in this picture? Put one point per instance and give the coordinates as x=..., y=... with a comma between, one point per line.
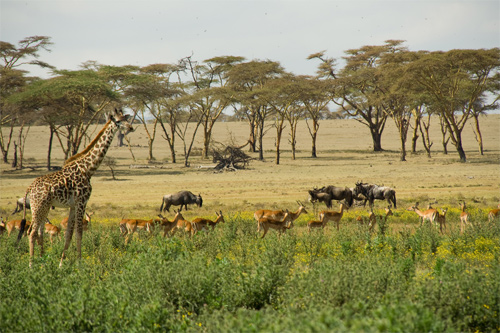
x=410, y=279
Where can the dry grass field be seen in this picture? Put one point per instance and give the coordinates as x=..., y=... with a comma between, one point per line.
x=344, y=156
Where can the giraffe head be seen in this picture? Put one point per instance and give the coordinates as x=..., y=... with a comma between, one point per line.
x=121, y=121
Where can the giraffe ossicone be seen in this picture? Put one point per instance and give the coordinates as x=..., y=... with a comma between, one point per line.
x=70, y=186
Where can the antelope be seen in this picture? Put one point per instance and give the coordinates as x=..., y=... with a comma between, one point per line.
x=281, y=225
x=373, y=218
x=315, y=224
x=429, y=214
x=52, y=230
x=167, y=225
x=181, y=223
x=279, y=215
x=201, y=223
x=327, y=216
x=441, y=218
x=494, y=213
x=86, y=221
x=464, y=217
x=16, y=224
x=132, y=225
x=2, y=226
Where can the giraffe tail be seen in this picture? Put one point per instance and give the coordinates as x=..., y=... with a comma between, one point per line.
x=23, y=221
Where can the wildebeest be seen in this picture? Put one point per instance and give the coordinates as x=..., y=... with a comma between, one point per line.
x=372, y=192
x=20, y=205
x=328, y=193
x=182, y=198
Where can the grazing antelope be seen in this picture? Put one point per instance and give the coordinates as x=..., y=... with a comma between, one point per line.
x=315, y=224
x=373, y=218
x=16, y=224
x=494, y=213
x=201, y=223
x=429, y=214
x=52, y=230
x=86, y=221
x=279, y=215
x=464, y=217
x=281, y=225
x=327, y=216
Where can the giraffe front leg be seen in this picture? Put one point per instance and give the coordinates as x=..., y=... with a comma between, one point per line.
x=69, y=233
x=79, y=230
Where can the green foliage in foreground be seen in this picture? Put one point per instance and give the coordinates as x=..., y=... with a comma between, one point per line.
x=413, y=280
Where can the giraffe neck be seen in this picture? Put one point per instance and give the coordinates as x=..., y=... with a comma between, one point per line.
x=91, y=157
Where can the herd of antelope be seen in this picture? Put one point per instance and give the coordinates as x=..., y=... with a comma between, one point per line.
x=279, y=220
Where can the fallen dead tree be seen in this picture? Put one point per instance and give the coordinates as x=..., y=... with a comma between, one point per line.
x=230, y=159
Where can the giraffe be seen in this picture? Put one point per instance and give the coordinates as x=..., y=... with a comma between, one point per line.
x=70, y=187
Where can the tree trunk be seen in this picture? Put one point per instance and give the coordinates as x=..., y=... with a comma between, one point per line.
x=120, y=136
x=206, y=143
x=403, y=150
x=461, y=152
x=376, y=139
x=49, y=152
x=5, y=144
x=444, y=132
x=479, y=136
x=414, y=138
x=14, y=159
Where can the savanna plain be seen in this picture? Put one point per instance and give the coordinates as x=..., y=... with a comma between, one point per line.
x=400, y=277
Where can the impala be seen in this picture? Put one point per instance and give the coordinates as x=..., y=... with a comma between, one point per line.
x=315, y=224
x=441, y=219
x=201, y=223
x=167, y=225
x=2, y=226
x=281, y=225
x=279, y=214
x=52, y=230
x=373, y=218
x=16, y=224
x=86, y=221
x=464, y=217
x=494, y=213
x=327, y=216
x=429, y=214
x=181, y=223
x=132, y=225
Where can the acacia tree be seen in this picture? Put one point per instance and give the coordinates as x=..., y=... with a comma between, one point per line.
x=209, y=91
x=75, y=99
x=314, y=95
x=282, y=96
x=396, y=98
x=14, y=80
x=248, y=80
x=456, y=80
x=359, y=86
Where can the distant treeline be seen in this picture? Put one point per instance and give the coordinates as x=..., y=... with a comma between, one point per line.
x=377, y=83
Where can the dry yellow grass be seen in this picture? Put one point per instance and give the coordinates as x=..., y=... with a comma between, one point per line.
x=344, y=157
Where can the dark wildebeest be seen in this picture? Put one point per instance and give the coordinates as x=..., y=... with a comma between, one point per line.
x=20, y=205
x=329, y=193
x=182, y=198
x=372, y=192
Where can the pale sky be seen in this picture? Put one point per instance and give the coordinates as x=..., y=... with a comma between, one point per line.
x=123, y=32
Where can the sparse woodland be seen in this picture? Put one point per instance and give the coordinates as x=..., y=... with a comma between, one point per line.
x=377, y=84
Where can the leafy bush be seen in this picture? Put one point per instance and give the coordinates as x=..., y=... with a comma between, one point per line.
x=409, y=279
